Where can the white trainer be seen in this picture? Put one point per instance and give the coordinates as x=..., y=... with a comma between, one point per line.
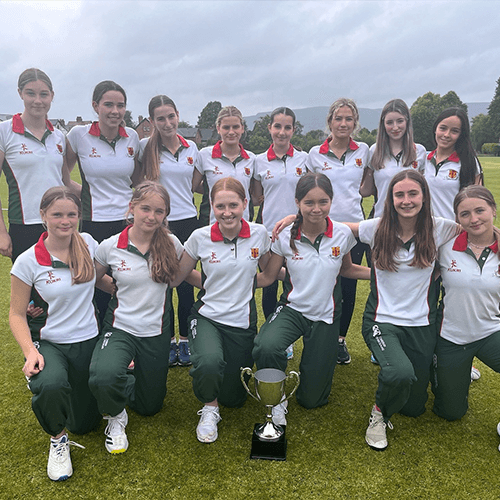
x=376, y=436
x=475, y=374
x=59, y=467
x=498, y=428
x=116, y=439
x=279, y=412
x=206, y=432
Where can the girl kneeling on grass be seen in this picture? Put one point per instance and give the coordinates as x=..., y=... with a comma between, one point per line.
x=58, y=346
x=398, y=322
x=143, y=259
x=470, y=269
x=224, y=320
x=316, y=251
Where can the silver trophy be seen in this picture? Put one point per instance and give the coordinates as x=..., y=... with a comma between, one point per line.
x=270, y=391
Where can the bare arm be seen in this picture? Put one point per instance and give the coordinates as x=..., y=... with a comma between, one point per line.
x=257, y=193
x=354, y=227
x=69, y=164
x=186, y=265
x=19, y=300
x=194, y=279
x=353, y=271
x=271, y=271
x=281, y=224
x=197, y=182
x=367, y=184
x=138, y=174
x=5, y=241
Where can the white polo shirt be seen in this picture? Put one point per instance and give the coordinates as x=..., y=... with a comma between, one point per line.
x=345, y=175
x=279, y=177
x=176, y=175
x=444, y=183
x=140, y=306
x=402, y=298
x=472, y=291
x=228, y=272
x=30, y=166
x=313, y=271
x=214, y=165
x=71, y=316
x=106, y=170
x=392, y=165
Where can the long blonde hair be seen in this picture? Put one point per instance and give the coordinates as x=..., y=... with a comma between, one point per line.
x=80, y=262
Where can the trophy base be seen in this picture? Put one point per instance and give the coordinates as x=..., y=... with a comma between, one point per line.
x=268, y=450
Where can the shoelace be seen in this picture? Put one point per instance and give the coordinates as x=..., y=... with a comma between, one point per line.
x=375, y=420
x=60, y=448
x=113, y=423
x=207, y=414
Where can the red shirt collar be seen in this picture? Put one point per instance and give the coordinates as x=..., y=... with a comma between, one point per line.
x=217, y=151
x=96, y=130
x=328, y=233
x=123, y=238
x=18, y=125
x=325, y=147
x=42, y=255
x=460, y=243
x=216, y=235
x=453, y=157
x=271, y=155
x=182, y=141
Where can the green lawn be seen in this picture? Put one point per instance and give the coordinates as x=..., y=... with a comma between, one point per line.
x=327, y=456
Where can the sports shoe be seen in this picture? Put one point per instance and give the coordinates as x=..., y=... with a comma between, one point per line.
x=279, y=412
x=116, y=439
x=373, y=359
x=475, y=374
x=498, y=428
x=59, y=467
x=289, y=352
x=183, y=354
x=206, y=432
x=343, y=356
x=173, y=355
x=375, y=434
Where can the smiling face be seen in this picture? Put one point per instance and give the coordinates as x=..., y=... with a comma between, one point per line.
x=395, y=125
x=61, y=218
x=149, y=213
x=477, y=217
x=166, y=121
x=407, y=198
x=37, y=98
x=228, y=210
x=110, y=109
x=342, y=123
x=281, y=130
x=314, y=206
x=447, y=133
x=230, y=130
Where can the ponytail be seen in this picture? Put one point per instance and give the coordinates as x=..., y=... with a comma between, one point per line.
x=295, y=231
x=80, y=262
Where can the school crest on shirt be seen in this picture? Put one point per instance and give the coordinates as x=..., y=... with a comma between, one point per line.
x=190, y=160
x=335, y=252
x=130, y=152
x=453, y=174
x=217, y=171
x=213, y=258
x=59, y=148
x=52, y=278
x=326, y=166
x=454, y=267
x=299, y=171
x=268, y=175
x=123, y=266
x=414, y=164
x=359, y=162
x=297, y=256
x=25, y=150
x=254, y=253
x=93, y=153
x=247, y=171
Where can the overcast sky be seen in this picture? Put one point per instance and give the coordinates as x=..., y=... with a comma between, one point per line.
x=256, y=55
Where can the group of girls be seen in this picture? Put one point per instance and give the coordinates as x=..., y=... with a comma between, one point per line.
x=79, y=376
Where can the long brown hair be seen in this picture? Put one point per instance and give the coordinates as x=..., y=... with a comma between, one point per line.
x=80, y=262
x=305, y=184
x=152, y=151
x=163, y=262
x=386, y=241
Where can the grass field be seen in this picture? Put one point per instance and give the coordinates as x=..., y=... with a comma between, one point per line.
x=427, y=458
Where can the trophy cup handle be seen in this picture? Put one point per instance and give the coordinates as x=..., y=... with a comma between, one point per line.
x=247, y=371
x=297, y=378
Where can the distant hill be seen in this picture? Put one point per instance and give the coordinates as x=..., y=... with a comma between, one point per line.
x=315, y=118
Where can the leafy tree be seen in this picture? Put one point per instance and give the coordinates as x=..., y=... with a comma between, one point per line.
x=183, y=124
x=258, y=139
x=424, y=112
x=312, y=138
x=129, y=120
x=364, y=135
x=494, y=113
x=208, y=115
x=481, y=131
